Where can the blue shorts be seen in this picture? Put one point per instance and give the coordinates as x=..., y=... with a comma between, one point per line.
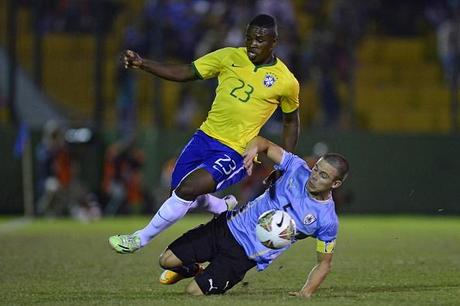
x=224, y=163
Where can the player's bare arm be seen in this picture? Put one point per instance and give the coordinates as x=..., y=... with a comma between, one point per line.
x=316, y=276
x=258, y=145
x=291, y=130
x=171, y=72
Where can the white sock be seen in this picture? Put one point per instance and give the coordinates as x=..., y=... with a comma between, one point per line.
x=210, y=203
x=169, y=213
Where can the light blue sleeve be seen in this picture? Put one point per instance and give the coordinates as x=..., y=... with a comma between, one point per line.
x=290, y=161
x=328, y=232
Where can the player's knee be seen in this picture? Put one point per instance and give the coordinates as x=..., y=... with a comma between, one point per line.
x=195, y=184
x=187, y=191
x=193, y=289
x=168, y=260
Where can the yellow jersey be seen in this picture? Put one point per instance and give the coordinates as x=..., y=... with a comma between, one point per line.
x=246, y=95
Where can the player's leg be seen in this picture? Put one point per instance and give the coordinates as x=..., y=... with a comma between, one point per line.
x=212, y=242
x=173, y=208
x=225, y=270
x=175, y=270
x=182, y=256
x=213, y=204
x=221, y=166
x=226, y=167
x=193, y=289
x=204, y=166
x=222, y=274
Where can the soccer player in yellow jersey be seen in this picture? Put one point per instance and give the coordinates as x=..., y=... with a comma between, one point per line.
x=252, y=83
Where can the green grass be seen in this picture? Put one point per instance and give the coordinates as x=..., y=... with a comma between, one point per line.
x=378, y=261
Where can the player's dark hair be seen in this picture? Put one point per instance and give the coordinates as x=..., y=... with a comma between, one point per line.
x=264, y=21
x=339, y=162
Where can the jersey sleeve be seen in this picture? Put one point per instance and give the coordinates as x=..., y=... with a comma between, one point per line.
x=325, y=240
x=210, y=65
x=290, y=100
x=290, y=161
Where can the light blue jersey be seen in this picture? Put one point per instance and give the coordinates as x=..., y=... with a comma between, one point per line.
x=313, y=218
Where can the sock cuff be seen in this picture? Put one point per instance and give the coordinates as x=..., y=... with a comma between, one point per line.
x=182, y=201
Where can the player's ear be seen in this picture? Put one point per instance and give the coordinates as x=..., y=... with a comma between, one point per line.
x=275, y=40
x=336, y=184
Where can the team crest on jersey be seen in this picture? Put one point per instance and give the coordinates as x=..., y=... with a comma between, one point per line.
x=309, y=219
x=269, y=80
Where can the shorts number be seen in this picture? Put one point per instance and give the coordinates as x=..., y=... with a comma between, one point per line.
x=225, y=165
x=248, y=90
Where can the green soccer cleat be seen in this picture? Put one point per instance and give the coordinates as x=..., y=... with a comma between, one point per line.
x=125, y=244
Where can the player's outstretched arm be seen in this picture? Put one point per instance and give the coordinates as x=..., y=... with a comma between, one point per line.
x=258, y=145
x=172, y=72
x=291, y=130
x=316, y=276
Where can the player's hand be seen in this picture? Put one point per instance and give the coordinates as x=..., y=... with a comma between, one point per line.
x=249, y=155
x=131, y=59
x=300, y=294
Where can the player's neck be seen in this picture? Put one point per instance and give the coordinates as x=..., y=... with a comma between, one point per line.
x=268, y=61
x=320, y=196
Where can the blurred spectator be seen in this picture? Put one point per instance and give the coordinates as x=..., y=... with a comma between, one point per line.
x=323, y=55
x=134, y=38
x=122, y=182
x=447, y=22
x=318, y=150
x=54, y=171
x=188, y=109
x=330, y=54
x=59, y=188
x=163, y=191
x=178, y=19
x=83, y=205
x=74, y=16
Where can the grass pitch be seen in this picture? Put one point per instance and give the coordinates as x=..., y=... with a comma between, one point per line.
x=378, y=261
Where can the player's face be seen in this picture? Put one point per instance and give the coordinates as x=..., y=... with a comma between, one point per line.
x=259, y=44
x=323, y=178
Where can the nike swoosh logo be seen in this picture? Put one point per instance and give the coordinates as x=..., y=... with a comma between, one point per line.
x=281, y=222
x=233, y=65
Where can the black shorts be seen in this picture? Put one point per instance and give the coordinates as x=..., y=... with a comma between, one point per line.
x=213, y=242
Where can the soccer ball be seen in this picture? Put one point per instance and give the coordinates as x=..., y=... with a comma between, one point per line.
x=275, y=229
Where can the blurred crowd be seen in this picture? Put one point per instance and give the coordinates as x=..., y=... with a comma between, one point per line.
x=61, y=189
x=182, y=30
x=318, y=41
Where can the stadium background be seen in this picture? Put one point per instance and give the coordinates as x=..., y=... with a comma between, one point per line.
x=378, y=84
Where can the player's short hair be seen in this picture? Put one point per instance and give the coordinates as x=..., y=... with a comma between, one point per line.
x=339, y=162
x=265, y=21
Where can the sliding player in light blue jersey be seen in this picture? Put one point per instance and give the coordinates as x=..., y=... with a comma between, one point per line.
x=229, y=242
